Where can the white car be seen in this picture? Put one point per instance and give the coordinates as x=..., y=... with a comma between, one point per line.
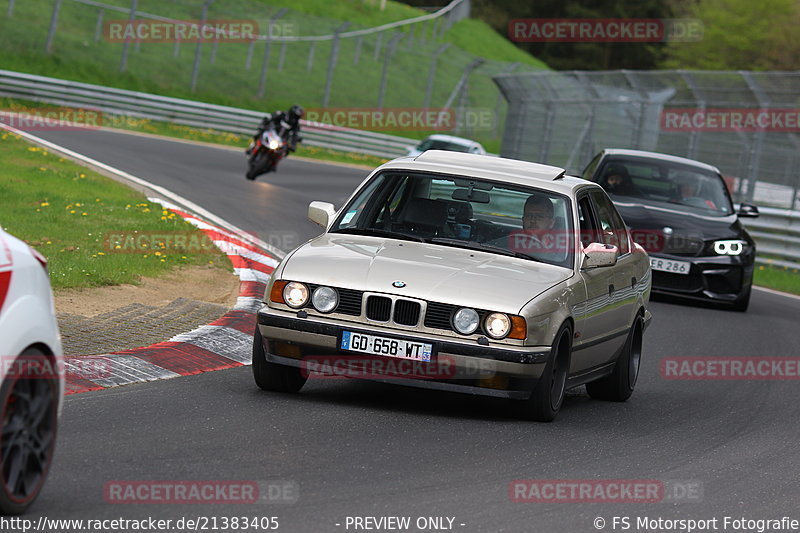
x=31, y=376
x=449, y=143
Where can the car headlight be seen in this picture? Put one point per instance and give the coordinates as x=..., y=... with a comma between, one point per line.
x=497, y=325
x=325, y=299
x=730, y=247
x=466, y=321
x=295, y=294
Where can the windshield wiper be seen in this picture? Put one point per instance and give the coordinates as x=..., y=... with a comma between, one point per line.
x=379, y=233
x=472, y=245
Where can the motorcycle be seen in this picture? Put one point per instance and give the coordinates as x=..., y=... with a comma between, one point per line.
x=266, y=152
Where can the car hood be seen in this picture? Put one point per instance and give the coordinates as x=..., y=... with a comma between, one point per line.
x=431, y=272
x=649, y=217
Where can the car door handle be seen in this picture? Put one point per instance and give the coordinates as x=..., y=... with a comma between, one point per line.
x=610, y=288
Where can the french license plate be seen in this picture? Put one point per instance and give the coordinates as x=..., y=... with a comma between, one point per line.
x=668, y=265
x=374, y=345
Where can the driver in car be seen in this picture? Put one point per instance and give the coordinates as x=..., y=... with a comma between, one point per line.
x=538, y=236
x=538, y=213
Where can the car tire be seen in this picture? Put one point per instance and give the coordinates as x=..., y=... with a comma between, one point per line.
x=29, y=426
x=272, y=376
x=548, y=394
x=619, y=386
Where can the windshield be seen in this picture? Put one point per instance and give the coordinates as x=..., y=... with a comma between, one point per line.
x=684, y=187
x=463, y=212
x=433, y=144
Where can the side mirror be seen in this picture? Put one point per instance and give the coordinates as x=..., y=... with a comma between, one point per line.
x=600, y=255
x=321, y=213
x=747, y=210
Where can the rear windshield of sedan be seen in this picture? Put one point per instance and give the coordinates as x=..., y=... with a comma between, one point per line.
x=684, y=187
x=464, y=212
x=432, y=144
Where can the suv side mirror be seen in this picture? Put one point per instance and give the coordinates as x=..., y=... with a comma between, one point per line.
x=321, y=213
x=600, y=255
x=747, y=210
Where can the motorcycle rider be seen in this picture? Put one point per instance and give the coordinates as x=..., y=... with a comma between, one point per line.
x=287, y=124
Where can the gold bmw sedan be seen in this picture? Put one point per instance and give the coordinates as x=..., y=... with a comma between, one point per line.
x=465, y=273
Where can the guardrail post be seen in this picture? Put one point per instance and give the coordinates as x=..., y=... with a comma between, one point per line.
x=332, y=63
x=378, y=47
x=10, y=8
x=358, y=50
x=508, y=70
x=123, y=62
x=51, y=33
x=262, y=84
x=214, y=46
x=199, y=48
x=432, y=75
x=249, y=59
x=282, y=56
x=98, y=28
x=310, y=62
x=385, y=71
x=176, y=50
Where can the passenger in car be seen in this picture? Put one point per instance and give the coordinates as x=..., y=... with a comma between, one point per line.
x=538, y=213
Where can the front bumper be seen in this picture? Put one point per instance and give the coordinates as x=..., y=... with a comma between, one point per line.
x=717, y=278
x=467, y=367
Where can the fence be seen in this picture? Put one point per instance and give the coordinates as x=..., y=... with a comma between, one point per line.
x=296, y=58
x=187, y=112
x=564, y=118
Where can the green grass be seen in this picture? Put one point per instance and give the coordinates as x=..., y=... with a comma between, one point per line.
x=778, y=278
x=68, y=213
x=153, y=68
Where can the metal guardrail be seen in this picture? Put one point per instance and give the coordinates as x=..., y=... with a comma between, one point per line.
x=122, y=102
x=777, y=235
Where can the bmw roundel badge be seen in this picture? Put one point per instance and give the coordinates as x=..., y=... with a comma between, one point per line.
x=399, y=284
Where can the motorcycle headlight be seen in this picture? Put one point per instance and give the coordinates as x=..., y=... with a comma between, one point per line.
x=295, y=294
x=730, y=247
x=497, y=325
x=466, y=321
x=325, y=299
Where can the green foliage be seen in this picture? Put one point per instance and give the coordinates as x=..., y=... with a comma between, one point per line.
x=741, y=35
x=69, y=214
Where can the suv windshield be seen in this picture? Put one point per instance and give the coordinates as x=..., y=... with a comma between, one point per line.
x=684, y=187
x=463, y=212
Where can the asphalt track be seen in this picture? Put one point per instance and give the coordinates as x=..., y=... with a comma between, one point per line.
x=365, y=449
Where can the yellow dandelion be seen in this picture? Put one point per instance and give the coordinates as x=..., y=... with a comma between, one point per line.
x=72, y=212
x=101, y=253
x=43, y=169
x=145, y=256
x=44, y=204
x=117, y=247
x=82, y=175
x=83, y=214
x=163, y=260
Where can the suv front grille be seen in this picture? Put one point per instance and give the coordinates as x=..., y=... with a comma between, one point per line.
x=379, y=308
x=406, y=312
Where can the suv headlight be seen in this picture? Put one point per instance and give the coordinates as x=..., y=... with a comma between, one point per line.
x=497, y=325
x=466, y=321
x=730, y=247
x=325, y=299
x=295, y=294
